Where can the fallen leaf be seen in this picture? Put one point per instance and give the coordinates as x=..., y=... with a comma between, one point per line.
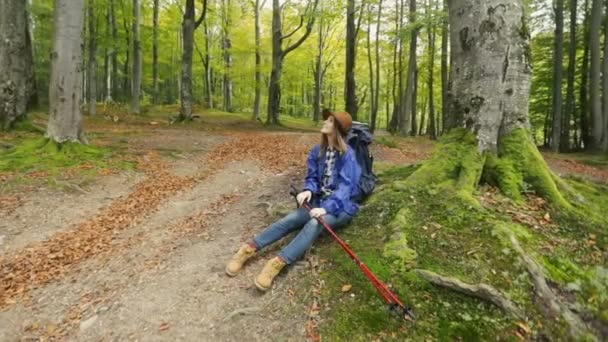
x=547, y=217
x=346, y=287
x=163, y=327
x=523, y=327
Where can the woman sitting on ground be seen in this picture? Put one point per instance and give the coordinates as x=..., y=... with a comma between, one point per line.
x=331, y=184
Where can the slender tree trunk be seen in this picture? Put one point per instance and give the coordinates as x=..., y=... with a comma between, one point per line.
x=605, y=87
x=570, y=107
x=114, y=58
x=350, y=88
x=594, y=85
x=208, y=76
x=431, y=33
x=189, y=25
x=394, y=124
x=137, y=59
x=126, y=84
x=278, y=57
x=415, y=104
x=107, y=72
x=377, y=88
x=226, y=48
x=31, y=84
x=444, y=69
x=558, y=57
x=369, y=59
x=258, y=64
x=318, y=73
x=155, y=52
x=92, y=67
x=408, y=100
x=583, y=95
x=13, y=62
x=65, y=90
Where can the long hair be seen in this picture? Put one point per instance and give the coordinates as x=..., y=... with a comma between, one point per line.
x=339, y=142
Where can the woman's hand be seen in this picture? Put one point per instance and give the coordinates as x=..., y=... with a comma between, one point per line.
x=304, y=196
x=317, y=212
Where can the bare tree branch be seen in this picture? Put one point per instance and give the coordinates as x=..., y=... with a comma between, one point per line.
x=296, y=30
x=309, y=26
x=202, y=17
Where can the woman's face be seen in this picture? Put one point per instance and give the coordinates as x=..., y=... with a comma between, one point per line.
x=328, y=125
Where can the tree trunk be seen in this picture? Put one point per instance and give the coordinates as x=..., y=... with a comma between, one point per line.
x=278, y=56
x=65, y=90
x=350, y=91
x=594, y=84
x=376, y=108
x=126, y=84
x=31, y=84
x=318, y=72
x=208, y=76
x=13, y=62
x=583, y=95
x=369, y=59
x=605, y=87
x=107, y=60
x=558, y=56
x=408, y=99
x=155, y=52
x=415, y=104
x=431, y=31
x=397, y=70
x=444, y=69
x=92, y=65
x=226, y=47
x=137, y=61
x=189, y=25
x=258, y=64
x=570, y=107
x=114, y=58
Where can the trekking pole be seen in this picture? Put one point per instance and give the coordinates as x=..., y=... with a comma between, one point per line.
x=395, y=305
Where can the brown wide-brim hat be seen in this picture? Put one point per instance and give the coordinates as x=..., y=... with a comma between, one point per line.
x=343, y=120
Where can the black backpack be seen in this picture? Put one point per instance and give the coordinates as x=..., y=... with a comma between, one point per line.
x=359, y=138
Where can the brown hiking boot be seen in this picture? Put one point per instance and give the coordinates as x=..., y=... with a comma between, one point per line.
x=264, y=280
x=238, y=260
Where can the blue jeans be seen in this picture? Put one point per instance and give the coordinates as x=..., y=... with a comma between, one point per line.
x=309, y=227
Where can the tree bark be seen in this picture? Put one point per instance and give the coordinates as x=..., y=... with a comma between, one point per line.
x=65, y=90
x=558, y=56
x=208, y=70
x=278, y=56
x=376, y=108
x=126, y=87
x=583, y=95
x=605, y=87
x=13, y=62
x=370, y=64
x=444, y=69
x=258, y=64
x=431, y=32
x=594, y=84
x=350, y=87
x=137, y=59
x=226, y=47
x=189, y=25
x=92, y=65
x=114, y=57
x=407, y=99
x=155, y=52
x=31, y=84
x=570, y=107
x=394, y=124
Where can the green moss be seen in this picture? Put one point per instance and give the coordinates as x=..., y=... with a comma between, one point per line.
x=455, y=167
x=41, y=154
x=519, y=166
x=387, y=142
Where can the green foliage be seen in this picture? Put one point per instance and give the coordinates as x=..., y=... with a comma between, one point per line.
x=388, y=142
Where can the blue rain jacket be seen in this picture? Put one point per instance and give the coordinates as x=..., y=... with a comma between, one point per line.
x=344, y=181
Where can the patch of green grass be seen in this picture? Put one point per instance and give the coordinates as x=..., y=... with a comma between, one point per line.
x=42, y=155
x=388, y=142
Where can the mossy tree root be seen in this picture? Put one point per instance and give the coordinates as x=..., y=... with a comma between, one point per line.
x=517, y=167
x=481, y=291
x=552, y=305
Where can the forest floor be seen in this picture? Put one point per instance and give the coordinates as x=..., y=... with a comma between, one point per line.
x=133, y=247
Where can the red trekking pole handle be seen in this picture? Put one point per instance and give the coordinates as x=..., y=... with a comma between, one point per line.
x=395, y=305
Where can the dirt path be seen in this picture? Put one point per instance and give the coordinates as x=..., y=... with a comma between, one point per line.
x=141, y=256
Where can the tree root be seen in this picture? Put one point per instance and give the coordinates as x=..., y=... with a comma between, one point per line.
x=481, y=291
x=552, y=305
